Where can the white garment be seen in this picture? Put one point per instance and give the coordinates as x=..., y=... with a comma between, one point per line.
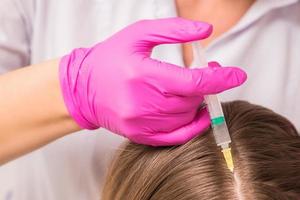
x=264, y=43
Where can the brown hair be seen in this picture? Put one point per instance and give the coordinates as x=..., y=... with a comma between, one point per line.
x=266, y=154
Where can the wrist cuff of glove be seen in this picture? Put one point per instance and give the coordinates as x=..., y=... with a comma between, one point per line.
x=69, y=70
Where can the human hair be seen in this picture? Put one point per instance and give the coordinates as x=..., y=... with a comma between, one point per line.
x=266, y=155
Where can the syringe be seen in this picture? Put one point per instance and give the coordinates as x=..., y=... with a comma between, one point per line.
x=214, y=107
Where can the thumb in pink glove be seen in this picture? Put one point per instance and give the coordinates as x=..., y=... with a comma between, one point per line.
x=117, y=86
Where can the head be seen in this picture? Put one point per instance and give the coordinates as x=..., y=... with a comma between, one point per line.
x=266, y=154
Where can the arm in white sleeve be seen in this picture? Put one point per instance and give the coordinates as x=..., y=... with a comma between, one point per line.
x=15, y=34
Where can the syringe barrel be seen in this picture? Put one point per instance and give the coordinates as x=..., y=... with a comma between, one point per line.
x=221, y=135
x=214, y=106
x=218, y=122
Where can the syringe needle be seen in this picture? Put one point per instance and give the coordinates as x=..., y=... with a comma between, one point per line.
x=228, y=158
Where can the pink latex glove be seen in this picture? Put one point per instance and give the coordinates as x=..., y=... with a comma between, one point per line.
x=117, y=86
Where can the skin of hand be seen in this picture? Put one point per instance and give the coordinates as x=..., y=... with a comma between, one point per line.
x=117, y=85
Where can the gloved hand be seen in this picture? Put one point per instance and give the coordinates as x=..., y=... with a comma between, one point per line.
x=117, y=86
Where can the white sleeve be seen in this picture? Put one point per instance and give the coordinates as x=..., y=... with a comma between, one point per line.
x=15, y=34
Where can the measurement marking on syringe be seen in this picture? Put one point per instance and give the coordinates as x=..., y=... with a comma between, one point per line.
x=217, y=121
